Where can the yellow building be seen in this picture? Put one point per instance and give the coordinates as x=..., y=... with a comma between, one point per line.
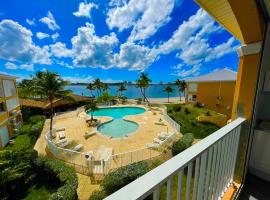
x=10, y=114
x=214, y=90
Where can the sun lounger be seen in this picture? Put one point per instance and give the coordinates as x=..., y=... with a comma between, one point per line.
x=59, y=129
x=60, y=142
x=160, y=123
x=89, y=134
x=158, y=141
x=62, y=135
x=78, y=147
x=66, y=143
x=164, y=136
x=152, y=145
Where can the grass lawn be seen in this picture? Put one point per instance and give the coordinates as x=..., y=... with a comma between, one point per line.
x=186, y=116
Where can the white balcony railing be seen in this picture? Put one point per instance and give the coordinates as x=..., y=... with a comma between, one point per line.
x=204, y=171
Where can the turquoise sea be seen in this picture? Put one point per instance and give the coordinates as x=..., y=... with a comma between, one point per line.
x=154, y=91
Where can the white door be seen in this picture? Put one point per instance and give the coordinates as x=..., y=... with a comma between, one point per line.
x=4, y=137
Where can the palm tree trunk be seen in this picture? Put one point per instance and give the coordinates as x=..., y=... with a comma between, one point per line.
x=51, y=122
x=168, y=97
x=92, y=118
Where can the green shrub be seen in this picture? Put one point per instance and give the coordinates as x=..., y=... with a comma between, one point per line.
x=98, y=195
x=198, y=105
x=177, y=108
x=24, y=129
x=36, y=130
x=22, y=142
x=182, y=144
x=208, y=113
x=66, y=175
x=187, y=111
x=36, y=119
x=155, y=163
x=123, y=176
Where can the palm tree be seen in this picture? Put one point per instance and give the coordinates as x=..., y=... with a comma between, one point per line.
x=91, y=106
x=143, y=83
x=51, y=86
x=91, y=87
x=169, y=90
x=105, y=87
x=121, y=89
x=98, y=85
x=181, y=84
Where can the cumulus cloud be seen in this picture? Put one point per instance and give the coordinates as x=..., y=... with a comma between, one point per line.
x=146, y=17
x=84, y=9
x=27, y=67
x=31, y=22
x=41, y=35
x=50, y=21
x=92, y=50
x=16, y=44
x=134, y=57
x=60, y=50
x=55, y=36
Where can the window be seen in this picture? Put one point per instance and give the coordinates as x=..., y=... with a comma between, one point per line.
x=12, y=103
x=192, y=87
x=2, y=107
x=2, y=94
x=9, y=87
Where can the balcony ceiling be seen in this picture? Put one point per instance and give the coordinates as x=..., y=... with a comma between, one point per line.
x=240, y=17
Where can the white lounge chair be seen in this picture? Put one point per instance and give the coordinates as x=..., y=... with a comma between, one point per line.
x=62, y=135
x=66, y=143
x=78, y=147
x=164, y=136
x=152, y=146
x=60, y=142
x=89, y=134
x=158, y=141
x=60, y=129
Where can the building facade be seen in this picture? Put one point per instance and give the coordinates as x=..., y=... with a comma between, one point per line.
x=214, y=91
x=10, y=114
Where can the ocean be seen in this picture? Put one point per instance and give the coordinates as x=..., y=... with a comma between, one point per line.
x=153, y=91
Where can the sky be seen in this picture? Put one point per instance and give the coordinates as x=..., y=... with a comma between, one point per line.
x=114, y=40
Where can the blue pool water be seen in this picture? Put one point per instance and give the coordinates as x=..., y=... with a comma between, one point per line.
x=118, y=127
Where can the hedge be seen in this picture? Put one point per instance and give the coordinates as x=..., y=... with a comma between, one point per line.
x=66, y=175
x=123, y=176
x=182, y=144
x=98, y=195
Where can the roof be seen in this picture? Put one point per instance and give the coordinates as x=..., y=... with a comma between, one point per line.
x=217, y=76
x=45, y=104
x=6, y=76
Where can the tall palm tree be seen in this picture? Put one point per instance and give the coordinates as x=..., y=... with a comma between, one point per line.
x=105, y=87
x=181, y=84
x=143, y=83
x=91, y=106
x=121, y=89
x=51, y=86
x=169, y=90
x=91, y=87
x=98, y=85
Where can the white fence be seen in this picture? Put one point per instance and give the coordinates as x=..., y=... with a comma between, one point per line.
x=203, y=171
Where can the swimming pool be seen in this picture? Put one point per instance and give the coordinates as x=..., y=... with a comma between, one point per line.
x=118, y=127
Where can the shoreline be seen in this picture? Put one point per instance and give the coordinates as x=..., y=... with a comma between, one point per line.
x=164, y=100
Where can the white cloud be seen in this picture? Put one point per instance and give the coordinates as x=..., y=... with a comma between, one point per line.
x=92, y=50
x=10, y=65
x=55, y=36
x=74, y=79
x=50, y=21
x=134, y=57
x=27, y=67
x=146, y=17
x=84, y=9
x=59, y=50
x=16, y=44
x=41, y=35
x=31, y=22
x=62, y=63
x=188, y=72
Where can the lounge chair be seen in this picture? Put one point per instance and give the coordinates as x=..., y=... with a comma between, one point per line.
x=160, y=123
x=89, y=134
x=62, y=135
x=164, y=136
x=78, y=147
x=152, y=146
x=66, y=143
x=59, y=129
x=158, y=141
x=60, y=142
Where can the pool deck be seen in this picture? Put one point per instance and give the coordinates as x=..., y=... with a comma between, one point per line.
x=75, y=127
x=147, y=131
